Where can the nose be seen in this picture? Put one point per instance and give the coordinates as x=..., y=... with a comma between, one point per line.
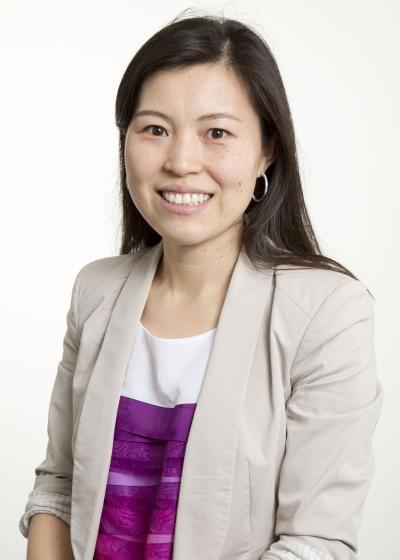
x=184, y=154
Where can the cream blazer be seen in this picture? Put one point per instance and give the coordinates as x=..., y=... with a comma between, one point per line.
x=279, y=458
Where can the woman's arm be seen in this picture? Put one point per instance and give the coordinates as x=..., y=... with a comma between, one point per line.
x=48, y=538
x=331, y=417
x=49, y=503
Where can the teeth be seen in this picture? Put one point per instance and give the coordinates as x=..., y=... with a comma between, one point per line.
x=185, y=198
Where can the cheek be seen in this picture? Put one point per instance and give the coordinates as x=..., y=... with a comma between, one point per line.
x=235, y=184
x=241, y=189
x=133, y=163
x=234, y=170
x=234, y=197
x=135, y=173
x=138, y=161
x=240, y=176
x=237, y=192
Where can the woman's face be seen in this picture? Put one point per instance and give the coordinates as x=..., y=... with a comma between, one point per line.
x=185, y=148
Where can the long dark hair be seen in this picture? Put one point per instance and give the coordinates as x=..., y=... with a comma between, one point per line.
x=276, y=230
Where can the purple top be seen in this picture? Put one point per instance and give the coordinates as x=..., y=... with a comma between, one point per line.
x=138, y=517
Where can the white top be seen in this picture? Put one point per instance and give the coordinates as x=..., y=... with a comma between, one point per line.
x=171, y=369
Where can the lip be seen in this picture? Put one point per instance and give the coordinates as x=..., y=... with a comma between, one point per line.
x=183, y=208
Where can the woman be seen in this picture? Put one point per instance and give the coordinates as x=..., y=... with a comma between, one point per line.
x=217, y=394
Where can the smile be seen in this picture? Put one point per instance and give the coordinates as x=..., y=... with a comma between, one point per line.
x=185, y=198
x=184, y=203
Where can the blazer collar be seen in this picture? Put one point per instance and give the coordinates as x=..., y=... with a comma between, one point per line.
x=208, y=469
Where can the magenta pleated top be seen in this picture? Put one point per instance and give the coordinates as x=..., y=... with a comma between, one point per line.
x=154, y=416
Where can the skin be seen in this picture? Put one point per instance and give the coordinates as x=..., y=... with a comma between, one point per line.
x=48, y=538
x=200, y=250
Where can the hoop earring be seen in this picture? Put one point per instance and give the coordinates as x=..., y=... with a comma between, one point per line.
x=265, y=189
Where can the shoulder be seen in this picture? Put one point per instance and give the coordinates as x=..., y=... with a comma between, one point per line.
x=103, y=277
x=112, y=267
x=327, y=314
x=308, y=288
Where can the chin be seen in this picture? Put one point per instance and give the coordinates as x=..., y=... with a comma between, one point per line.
x=185, y=240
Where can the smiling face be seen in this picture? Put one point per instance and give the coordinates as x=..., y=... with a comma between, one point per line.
x=220, y=155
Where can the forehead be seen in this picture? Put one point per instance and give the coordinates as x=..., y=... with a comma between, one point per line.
x=196, y=89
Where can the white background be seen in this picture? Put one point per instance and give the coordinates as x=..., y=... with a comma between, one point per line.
x=61, y=64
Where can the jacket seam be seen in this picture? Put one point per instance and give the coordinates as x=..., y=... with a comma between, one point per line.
x=311, y=320
x=294, y=301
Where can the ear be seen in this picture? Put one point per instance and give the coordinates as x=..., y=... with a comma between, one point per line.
x=268, y=156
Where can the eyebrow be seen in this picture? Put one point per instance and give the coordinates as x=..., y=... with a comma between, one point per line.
x=202, y=118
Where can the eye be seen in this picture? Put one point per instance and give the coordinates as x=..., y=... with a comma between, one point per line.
x=154, y=126
x=221, y=130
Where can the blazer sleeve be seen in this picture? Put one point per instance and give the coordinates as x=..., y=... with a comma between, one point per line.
x=52, y=488
x=331, y=415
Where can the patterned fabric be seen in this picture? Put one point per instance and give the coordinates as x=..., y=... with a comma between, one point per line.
x=139, y=512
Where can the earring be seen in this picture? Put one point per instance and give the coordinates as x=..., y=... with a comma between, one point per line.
x=265, y=189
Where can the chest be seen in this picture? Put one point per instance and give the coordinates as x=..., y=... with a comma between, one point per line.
x=169, y=317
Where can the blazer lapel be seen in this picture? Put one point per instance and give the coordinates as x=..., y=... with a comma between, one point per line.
x=208, y=469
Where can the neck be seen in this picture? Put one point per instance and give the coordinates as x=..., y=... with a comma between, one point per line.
x=194, y=271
